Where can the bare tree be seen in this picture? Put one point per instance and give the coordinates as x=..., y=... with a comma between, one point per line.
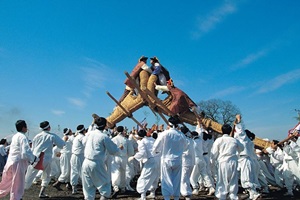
x=220, y=111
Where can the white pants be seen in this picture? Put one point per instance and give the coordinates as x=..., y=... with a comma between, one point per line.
x=170, y=178
x=227, y=180
x=148, y=177
x=94, y=176
x=185, y=186
x=200, y=169
x=118, y=172
x=76, y=164
x=65, y=167
x=248, y=173
x=32, y=172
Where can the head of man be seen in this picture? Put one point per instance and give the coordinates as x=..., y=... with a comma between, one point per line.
x=185, y=131
x=21, y=126
x=67, y=131
x=174, y=121
x=154, y=60
x=274, y=144
x=250, y=135
x=101, y=123
x=226, y=129
x=45, y=126
x=142, y=133
x=81, y=129
x=120, y=129
x=143, y=59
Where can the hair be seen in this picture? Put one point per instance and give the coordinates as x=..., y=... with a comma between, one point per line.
x=250, y=135
x=66, y=131
x=101, y=123
x=275, y=141
x=142, y=133
x=184, y=129
x=194, y=133
x=174, y=120
x=154, y=134
x=3, y=141
x=120, y=129
x=80, y=127
x=226, y=129
x=20, y=124
x=44, y=124
x=204, y=136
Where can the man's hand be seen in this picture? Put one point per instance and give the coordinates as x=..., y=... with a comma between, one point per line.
x=131, y=158
x=238, y=119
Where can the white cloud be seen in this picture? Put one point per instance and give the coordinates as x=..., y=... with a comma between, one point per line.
x=215, y=17
x=250, y=59
x=279, y=81
x=77, y=102
x=58, y=112
x=228, y=91
x=94, y=75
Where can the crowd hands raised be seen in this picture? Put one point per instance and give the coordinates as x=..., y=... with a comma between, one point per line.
x=182, y=162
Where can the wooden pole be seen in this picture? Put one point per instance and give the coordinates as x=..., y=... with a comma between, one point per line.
x=152, y=106
x=126, y=112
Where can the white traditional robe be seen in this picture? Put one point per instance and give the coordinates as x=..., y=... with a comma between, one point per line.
x=200, y=166
x=171, y=144
x=118, y=167
x=188, y=162
x=65, y=160
x=94, y=172
x=77, y=158
x=224, y=152
x=43, y=142
x=150, y=171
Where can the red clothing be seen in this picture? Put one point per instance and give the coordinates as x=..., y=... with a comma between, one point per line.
x=181, y=102
x=134, y=74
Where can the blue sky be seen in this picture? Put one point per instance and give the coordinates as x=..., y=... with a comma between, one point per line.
x=58, y=58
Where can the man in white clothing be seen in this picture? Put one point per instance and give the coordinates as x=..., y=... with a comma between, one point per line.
x=188, y=162
x=291, y=172
x=19, y=157
x=118, y=167
x=248, y=169
x=276, y=159
x=150, y=171
x=200, y=168
x=94, y=173
x=43, y=143
x=171, y=144
x=224, y=155
x=77, y=157
x=65, y=160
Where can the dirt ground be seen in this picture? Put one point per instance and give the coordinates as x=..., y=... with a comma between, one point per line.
x=65, y=194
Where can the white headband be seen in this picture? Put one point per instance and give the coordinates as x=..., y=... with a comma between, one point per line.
x=67, y=131
x=81, y=130
x=46, y=127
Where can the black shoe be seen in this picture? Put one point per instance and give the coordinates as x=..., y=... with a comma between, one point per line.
x=57, y=185
x=43, y=196
x=69, y=186
x=114, y=194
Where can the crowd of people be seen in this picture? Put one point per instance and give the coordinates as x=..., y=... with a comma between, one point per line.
x=183, y=161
